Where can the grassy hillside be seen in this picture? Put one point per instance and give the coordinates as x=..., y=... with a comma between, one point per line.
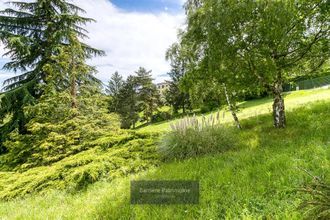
x=256, y=179
x=258, y=107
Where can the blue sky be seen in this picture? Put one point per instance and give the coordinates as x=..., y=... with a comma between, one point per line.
x=149, y=5
x=133, y=33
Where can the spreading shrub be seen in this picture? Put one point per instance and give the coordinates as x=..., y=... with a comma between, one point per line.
x=108, y=158
x=191, y=138
x=57, y=130
x=69, y=148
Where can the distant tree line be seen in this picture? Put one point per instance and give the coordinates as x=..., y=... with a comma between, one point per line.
x=137, y=98
x=134, y=99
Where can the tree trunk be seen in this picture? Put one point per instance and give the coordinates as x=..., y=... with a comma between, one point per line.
x=73, y=93
x=278, y=107
x=231, y=108
x=73, y=86
x=151, y=110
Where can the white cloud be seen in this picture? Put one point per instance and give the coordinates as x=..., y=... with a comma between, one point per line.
x=4, y=76
x=2, y=3
x=130, y=39
x=2, y=6
x=180, y=2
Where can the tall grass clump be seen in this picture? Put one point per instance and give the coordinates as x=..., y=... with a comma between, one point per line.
x=317, y=203
x=191, y=137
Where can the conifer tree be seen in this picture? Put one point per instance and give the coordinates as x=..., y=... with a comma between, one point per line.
x=115, y=84
x=68, y=116
x=148, y=95
x=33, y=33
x=128, y=107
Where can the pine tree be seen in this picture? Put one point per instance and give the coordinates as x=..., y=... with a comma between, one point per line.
x=67, y=117
x=33, y=33
x=148, y=95
x=136, y=95
x=115, y=84
x=58, y=130
x=128, y=107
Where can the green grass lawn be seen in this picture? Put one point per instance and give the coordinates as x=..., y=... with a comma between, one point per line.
x=257, y=107
x=255, y=180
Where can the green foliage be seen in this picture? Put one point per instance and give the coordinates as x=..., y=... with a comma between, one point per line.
x=161, y=116
x=256, y=107
x=317, y=205
x=148, y=96
x=128, y=108
x=68, y=112
x=255, y=44
x=137, y=95
x=176, y=96
x=205, y=109
x=191, y=138
x=106, y=159
x=115, y=84
x=113, y=89
x=257, y=180
x=57, y=130
x=37, y=35
x=10, y=109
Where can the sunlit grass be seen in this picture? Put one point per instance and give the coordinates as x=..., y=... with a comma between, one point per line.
x=257, y=107
x=256, y=180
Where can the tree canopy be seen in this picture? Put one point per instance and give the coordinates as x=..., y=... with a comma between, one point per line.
x=35, y=34
x=259, y=43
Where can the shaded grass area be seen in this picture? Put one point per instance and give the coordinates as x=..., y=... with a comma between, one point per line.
x=255, y=180
x=256, y=107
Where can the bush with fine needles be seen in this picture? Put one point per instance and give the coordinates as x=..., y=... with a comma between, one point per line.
x=191, y=137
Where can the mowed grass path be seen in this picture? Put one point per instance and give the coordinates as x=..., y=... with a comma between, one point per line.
x=256, y=180
x=256, y=107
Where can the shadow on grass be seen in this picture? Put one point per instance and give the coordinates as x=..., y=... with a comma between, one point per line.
x=256, y=102
x=307, y=125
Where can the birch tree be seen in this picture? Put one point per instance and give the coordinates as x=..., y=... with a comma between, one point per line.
x=267, y=42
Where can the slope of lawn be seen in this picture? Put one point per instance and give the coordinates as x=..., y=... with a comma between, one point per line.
x=257, y=107
x=255, y=180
